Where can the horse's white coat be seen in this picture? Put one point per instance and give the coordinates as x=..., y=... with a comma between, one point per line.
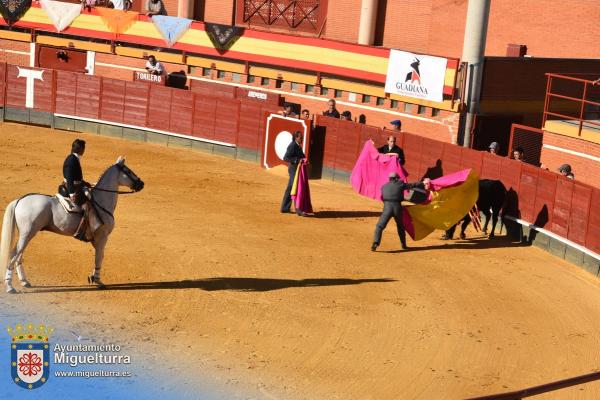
x=30, y=214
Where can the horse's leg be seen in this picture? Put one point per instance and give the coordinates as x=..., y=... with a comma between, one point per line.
x=99, y=244
x=24, y=239
x=9, y=274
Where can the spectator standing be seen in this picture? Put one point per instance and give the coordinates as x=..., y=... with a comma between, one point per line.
x=565, y=170
x=155, y=7
x=392, y=148
x=154, y=67
x=493, y=148
x=331, y=111
x=305, y=114
x=293, y=156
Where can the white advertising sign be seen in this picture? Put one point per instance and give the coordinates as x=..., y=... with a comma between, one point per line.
x=416, y=75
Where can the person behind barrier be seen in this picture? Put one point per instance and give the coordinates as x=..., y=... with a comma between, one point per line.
x=396, y=125
x=73, y=179
x=518, y=153
x=493, y=148
x=565, y=170
x=305, y=114
x=154, y=67
x=155, y=7
x=288, y=111
x=392, y=148
x=346, y=116
x=331, y=111
x=392, y=194
x=293, y=156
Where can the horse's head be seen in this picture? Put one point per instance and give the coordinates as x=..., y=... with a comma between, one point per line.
x=127, y=177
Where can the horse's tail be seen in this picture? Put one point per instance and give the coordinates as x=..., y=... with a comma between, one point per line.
x=8, y=229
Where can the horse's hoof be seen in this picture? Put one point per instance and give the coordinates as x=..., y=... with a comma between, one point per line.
x=11, y=291
x=463, y=236
x=92, y=280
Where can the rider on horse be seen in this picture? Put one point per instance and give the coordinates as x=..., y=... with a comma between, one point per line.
x=76, y=186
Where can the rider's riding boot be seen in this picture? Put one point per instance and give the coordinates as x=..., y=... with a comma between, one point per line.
x=80, y=233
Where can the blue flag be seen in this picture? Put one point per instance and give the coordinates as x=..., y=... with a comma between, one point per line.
x=171, y=28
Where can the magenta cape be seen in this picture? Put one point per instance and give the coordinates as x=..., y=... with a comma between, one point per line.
x=450, y=199
x=372, y=171
x=301, y=195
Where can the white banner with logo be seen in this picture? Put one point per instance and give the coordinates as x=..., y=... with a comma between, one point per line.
x=416, y=75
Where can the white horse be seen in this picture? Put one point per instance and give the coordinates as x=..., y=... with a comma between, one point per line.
x=36, y=212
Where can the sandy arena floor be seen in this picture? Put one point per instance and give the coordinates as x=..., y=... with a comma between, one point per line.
x=203, y=264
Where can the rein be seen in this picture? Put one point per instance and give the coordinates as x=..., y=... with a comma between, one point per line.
x=112, y=191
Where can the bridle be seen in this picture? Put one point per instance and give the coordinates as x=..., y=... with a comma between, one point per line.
x=137, y=182
x=137, y=186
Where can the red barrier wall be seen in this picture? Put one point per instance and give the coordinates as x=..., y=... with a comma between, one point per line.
x=544, y=198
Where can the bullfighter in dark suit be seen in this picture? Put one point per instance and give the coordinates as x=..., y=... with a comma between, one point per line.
x=393, y=194
x=293, y=156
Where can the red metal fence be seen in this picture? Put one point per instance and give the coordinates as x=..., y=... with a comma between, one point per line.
x=529, y=139
x=574, y=98
x=537, y=196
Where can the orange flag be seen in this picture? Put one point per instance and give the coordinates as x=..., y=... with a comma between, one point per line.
x=118, y=21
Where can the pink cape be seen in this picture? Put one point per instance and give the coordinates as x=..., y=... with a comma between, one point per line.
x=302, y=197
x=451, y=196
x=372, y=171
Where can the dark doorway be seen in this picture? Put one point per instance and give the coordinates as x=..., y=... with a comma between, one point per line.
x=494, y=128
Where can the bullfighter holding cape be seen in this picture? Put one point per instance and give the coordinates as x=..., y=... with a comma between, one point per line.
x=448, y=200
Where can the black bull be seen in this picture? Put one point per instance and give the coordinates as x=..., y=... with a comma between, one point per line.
x=492, y=196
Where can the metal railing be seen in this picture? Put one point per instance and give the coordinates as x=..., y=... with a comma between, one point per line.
x=587, y=85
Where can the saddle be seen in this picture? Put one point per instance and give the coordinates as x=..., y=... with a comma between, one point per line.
x=68, y=205
x=94, y=221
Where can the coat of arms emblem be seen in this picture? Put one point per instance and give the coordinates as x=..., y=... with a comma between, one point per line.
x=30, y=355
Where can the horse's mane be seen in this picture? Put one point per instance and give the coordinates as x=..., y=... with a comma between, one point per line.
x=104, y=174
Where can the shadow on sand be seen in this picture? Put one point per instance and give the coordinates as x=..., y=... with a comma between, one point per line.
x=477, y=243
x=347, y=214
x=214, y=284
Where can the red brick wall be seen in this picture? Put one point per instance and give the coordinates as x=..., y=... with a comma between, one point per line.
x=219, y=11
x=408, y=25
x=585, y=170
x=343, y=17
x=170, y=6
x=13, y=58
x=556, y=29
